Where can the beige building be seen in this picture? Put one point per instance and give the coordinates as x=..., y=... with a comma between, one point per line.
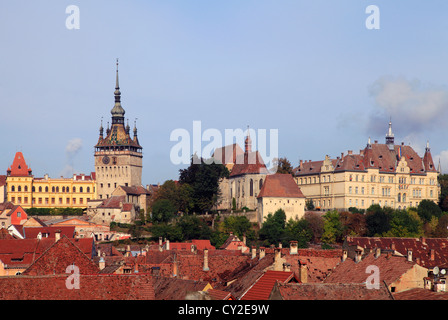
x=279, y=191
x=386, y=174
x=118, y=157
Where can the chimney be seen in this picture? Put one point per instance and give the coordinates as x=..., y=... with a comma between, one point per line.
x=128, y=251
x=277, y=254
x=99, y=252
x=205, y=268
x=432, y=254
x=301, y=163
x=160, y=244
x=358, y=256
x=392, y=246
x=254, y=252
x=262, y=252
x=39, y=235
x=344, y=255
x=286, y=267
x=350, y=152
x=303, y=271
x=244, y=239
x=409, y=255
x=57, y=235
x=280, y=245
x=377, y=252
x=423, y=240
x=193, y=248
x=293, y=247
x=102, y=263
x=167, y=244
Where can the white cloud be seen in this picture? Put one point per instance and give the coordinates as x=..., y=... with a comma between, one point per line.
x=412, y=106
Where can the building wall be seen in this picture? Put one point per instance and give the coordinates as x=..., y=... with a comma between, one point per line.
x=124, y=169
x=239, y=187
x=342, y=190
x=294, y=207
x=30, y=192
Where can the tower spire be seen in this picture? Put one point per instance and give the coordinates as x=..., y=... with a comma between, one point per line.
x=248, y=142
x=117, y=111
x=390, y=136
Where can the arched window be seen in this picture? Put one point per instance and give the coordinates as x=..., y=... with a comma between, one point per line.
x=57, y=189
x=399, y=197
x=13, y=188
x=46, y=189
x=52, y=189
x=25, y=188
x=80, y=189
x=63, y=189
x=74, y=189
x=404, y=197
x=251, y=188
x=19, y=188
x=261, y=182
x=88, y=189
x=33, y=189
x=40, y=189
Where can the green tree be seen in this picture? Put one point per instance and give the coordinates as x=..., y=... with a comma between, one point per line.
x=333, y=228
x=194, y=228
x=203, y=177
x=427, y=209
x=298, y=230
x=239, y=225
x=443, y=198
x=273, y=228
x=377, y=220
x=404, y=224
x=309, y=204
x=283, y=165
x=163, y=210
x=441, y=231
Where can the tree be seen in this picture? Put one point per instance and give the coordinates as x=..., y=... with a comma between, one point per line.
x=377, y=220
x=272, y=230
x=427, y=208
x=333, y=229
x=298, y=230
x=193, y=228
x=404, y=224
x=309, y=204
x=316, y=225
x=443, y=198
x=354, y=224
x=179, y=194
x=163, y=210
x=283, y=165
x=441, y=231
x=204, y=181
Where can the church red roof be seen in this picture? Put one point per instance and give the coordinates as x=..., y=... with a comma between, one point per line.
x=280, y=185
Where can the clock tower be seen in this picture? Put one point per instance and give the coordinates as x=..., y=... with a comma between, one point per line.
x=118, y=157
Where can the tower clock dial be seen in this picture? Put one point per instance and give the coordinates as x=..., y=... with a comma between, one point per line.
x=106, y=159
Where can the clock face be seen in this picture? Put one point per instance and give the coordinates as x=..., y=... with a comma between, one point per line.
x=106, y=160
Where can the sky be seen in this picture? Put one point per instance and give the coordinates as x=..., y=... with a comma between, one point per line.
x=311, y=70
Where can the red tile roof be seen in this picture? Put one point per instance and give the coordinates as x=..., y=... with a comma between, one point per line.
x=421, y=248
x=420, y=294
x=280, y=185
x=175, y=289
x=216, y=294
x=115, y=202
x=328, y=291
x=377, y=156
x=249, y=163
x=391, y=268
x=264, y=285
x=92, y=287
x=47, y=232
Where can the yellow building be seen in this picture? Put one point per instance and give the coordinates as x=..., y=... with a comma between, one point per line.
x=24, y=189
x=386, y=174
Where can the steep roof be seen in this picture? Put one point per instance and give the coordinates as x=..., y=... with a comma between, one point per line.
x=264, y=285
x=19, y=167
x=47, y=232
x=420, y=294
x=249, y=163
x=176, y=289
x=280, y=185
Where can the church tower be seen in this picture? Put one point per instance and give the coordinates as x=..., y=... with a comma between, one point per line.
x=118, y=157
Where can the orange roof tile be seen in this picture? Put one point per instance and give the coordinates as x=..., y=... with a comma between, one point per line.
x=264, y=285
x=280, y=185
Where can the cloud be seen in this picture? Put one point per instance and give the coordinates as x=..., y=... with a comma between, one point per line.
x=412, y=106
x=71, y=150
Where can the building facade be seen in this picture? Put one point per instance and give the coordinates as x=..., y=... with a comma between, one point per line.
x=23, y=189
x=385, y=174
x=118, y=157
x=247, y=173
